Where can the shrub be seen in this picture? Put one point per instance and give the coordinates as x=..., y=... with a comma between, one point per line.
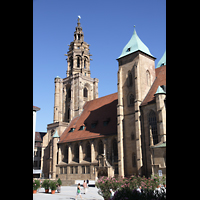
x=104, y=184
x=46, y=184
x=53, y=185
x=59, y=182
x=36, y=184
x=122, y=194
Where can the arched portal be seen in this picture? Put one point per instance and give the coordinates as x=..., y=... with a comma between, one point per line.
x=102, y=172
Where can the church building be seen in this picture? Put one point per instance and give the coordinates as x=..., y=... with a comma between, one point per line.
x=121, y=134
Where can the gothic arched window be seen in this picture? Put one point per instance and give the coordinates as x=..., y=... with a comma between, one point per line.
x=148, y=77
x=130, y=100
x=69, y=93
x=115, y=150
x=78, y=61
x=85, y=92
x=153, y=126
x=85, y=64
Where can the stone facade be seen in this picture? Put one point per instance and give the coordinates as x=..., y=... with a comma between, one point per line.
x=86, y=160
x=121, y=134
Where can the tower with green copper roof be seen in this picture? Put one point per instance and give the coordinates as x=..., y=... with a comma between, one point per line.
x=162, y=61
x=136, y=74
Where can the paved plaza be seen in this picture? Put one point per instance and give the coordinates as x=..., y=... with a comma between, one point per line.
x=68, y=192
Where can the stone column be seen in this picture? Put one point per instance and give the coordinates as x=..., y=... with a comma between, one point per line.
x=80, y=95
x=69, y=153
x=95, y=88
x=80, y=152
x=160, y=107
x=60, y=113
x=59, y=154
x=120, y=120
x=56, y=98
x=92, y=152
x=104, y=152
x=137, y=103
x=72, y=104
x=104, y=147
x=55, y=149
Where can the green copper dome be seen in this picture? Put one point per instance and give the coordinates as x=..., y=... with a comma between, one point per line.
x=134, y=45
x=162, y=61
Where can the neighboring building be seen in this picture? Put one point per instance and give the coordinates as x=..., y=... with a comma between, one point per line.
x=37, y=167
x=35, y=109
x=120, y=134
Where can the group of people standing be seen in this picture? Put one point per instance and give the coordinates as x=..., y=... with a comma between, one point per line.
x=85, y=186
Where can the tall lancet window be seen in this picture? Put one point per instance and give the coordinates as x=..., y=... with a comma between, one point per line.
x=78, y=61
x=130, y=79
x=148, y=78
x=85, y=92
x=153, y=126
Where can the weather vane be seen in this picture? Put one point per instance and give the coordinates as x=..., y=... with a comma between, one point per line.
x=79, y=17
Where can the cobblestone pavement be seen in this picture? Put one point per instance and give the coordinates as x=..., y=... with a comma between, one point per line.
x=68, y=192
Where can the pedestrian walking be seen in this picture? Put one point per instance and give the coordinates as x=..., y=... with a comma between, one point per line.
x=85, y=187
x=87, y=183
x=78, y=192
x=158, y=190
x=111, y=194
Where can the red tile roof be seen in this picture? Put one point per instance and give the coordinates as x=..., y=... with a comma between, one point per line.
x=95, y=111
x=36, y=108
x=160, y=80
x=39, y=136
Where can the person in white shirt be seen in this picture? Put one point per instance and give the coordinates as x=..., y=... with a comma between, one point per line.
x=139, y=189
x=111, y=193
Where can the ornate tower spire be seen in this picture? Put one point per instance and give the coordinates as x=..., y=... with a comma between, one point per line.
x=78, y=34
x=78, y=54
x=78, y=86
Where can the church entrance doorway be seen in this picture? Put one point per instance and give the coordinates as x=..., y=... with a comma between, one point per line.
x=102, y=172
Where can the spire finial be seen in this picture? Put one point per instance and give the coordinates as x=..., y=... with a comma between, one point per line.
x=79, y=17
x=134, y=29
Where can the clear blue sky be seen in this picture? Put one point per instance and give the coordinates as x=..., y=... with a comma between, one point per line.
x=107, y=26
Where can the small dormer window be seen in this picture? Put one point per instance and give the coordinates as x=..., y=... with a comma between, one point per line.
x=94, y=124
x=129, y=49
x=105, y=123
x=71, y=130
x=81, y=128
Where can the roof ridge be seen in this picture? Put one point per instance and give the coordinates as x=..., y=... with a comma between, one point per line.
x=103, y=96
